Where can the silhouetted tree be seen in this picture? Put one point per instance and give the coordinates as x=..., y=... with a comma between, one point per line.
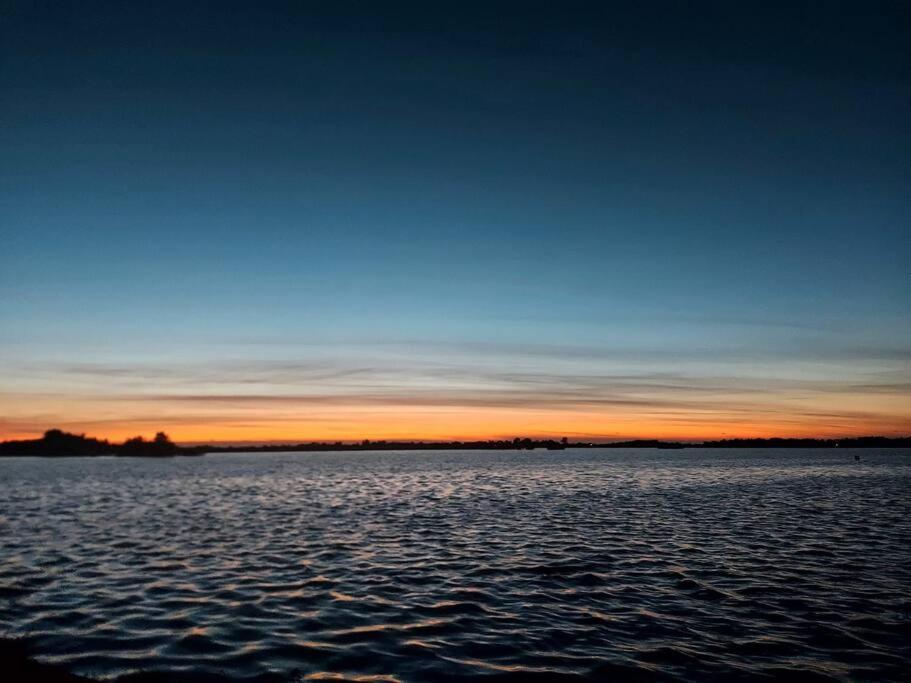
x=56, y=442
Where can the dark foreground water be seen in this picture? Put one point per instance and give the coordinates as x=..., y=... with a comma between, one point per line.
x=426, y=565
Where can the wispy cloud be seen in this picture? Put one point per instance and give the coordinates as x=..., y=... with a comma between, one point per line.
x=524, y=386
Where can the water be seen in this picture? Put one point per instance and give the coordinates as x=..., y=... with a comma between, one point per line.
x=423, y=565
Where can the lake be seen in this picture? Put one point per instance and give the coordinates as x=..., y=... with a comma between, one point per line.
x=416, y=566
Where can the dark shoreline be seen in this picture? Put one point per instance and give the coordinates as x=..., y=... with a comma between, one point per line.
x=857, y=442
x=60, y=444
x=20, y=664
x=17, y=660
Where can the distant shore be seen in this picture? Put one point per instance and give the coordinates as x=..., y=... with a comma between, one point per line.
x=549, y=444
x=57, y=443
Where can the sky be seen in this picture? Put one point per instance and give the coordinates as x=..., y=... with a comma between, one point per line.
x=274, y=221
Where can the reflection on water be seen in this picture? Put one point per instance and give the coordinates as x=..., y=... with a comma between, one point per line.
x=418, y=565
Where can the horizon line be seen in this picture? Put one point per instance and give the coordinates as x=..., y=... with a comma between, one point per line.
x=468, y=440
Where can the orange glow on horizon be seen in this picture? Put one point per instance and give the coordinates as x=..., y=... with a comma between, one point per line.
x=451, y=414
x=461, y=425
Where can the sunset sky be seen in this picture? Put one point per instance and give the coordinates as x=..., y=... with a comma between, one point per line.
x=298, y=221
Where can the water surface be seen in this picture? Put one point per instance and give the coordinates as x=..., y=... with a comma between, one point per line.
x=418, y=566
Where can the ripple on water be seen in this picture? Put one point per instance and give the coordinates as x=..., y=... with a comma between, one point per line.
x=600, y=565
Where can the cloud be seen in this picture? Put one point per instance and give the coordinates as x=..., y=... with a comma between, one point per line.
x=478, y=384
x=398, y=382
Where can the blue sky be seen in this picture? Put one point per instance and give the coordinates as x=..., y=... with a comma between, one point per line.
x=568, y=192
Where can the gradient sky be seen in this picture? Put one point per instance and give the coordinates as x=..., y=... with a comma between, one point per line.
x=270, y=221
